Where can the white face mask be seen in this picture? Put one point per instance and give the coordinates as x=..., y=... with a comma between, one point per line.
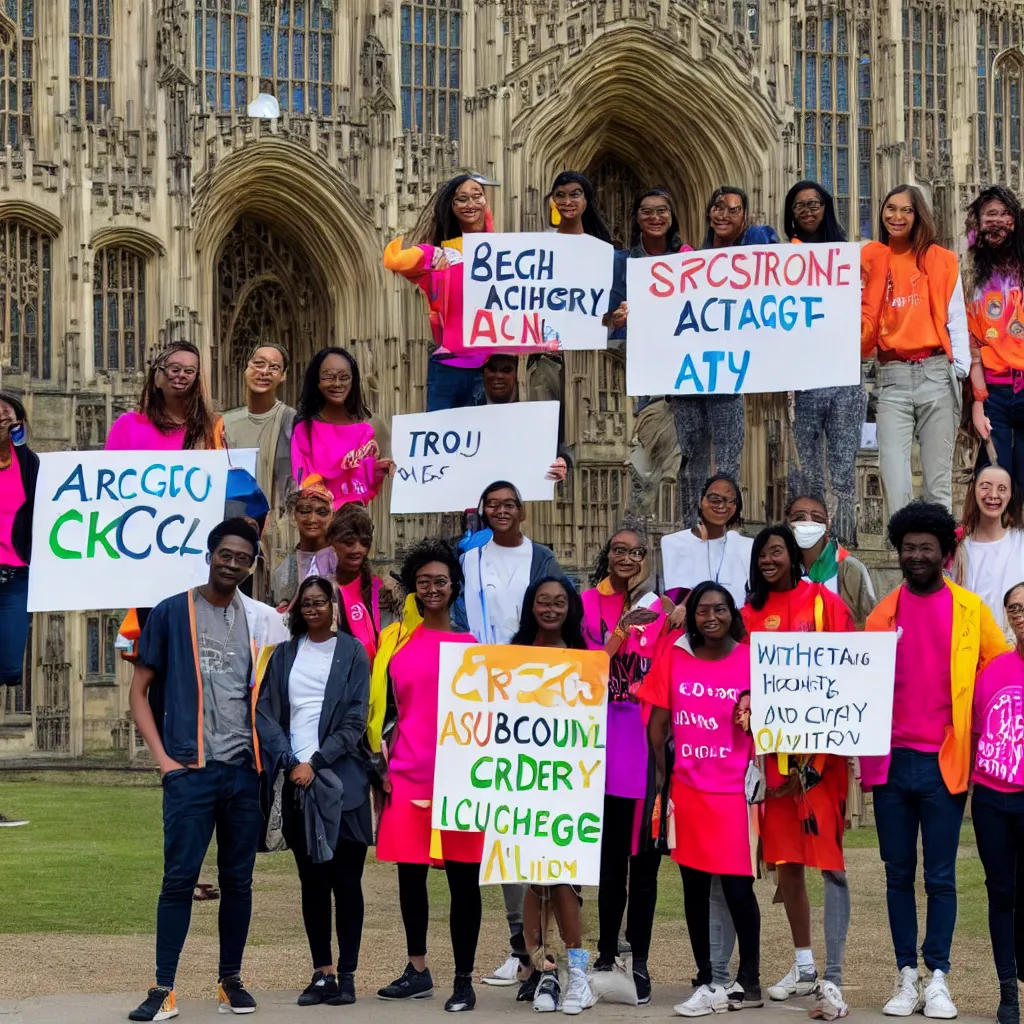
x=808, y=534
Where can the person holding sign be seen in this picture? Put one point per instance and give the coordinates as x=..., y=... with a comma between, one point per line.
x=699, y=687
x=430, y=572
x=552, y=617
x=946, y=636
x=311, y=509
x=436, y=267
x=311, y=719
x=623, y=618
x=804, y=812
x=914, y=322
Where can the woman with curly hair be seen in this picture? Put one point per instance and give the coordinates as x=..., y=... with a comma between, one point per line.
x=406, y=670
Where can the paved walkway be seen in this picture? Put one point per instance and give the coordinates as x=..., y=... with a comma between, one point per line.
x=494, y=1006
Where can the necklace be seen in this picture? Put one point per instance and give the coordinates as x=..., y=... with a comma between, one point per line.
x=8, y=458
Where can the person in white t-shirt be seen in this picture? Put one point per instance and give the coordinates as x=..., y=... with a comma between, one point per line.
x=989, y=558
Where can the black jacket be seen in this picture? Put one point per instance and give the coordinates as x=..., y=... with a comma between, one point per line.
x=21, y=531
x=342, y=718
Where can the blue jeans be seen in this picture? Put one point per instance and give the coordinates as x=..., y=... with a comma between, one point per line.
x=914, y=799
x=452, y=387
x=15, y=618
x=1005, y=411
x=197, y=801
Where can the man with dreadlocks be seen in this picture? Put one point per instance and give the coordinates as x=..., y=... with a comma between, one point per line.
x=994, y=279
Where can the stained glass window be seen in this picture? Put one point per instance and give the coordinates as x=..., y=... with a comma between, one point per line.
x=25, y=300
x=924, y=87
x=297, y=53
x=221, y=41
x=17, y=73
x=90, y=58
x=431, y=67
x=119, y=309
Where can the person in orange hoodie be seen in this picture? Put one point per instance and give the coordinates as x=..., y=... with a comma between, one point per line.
x=914, y=322
x=945, y=636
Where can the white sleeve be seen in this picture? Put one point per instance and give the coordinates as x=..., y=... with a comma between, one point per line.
x=959, y=335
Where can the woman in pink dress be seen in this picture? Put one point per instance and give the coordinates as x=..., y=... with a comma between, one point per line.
x=335, y=435
x=699, y=687
x=431, y=572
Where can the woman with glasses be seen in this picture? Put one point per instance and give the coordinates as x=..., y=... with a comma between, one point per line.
x=434, y=264
x=623, y=617
x=997, y=804
x=174, y=413
x=822, y=417
x=311, y=508
x=335, y=435
x=311, y=720
x=407, y=665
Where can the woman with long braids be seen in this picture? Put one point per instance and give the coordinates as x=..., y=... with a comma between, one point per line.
x=624, y=618
x=824, y=416
x=335, y=434
x=434, y=264
x=803, y=817
x=174, y=413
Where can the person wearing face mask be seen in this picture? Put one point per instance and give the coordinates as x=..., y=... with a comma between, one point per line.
x=989, y=557
x=825, y=561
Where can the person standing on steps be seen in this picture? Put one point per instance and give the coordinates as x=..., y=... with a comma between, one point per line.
x=192, y=702
x=945, y=637
x=311, y=506
x=311, y=720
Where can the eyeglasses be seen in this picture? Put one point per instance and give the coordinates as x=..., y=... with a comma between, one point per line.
x=179, y=370
x=239, y=558
x=501, y=506
x=559, y=604
x=732, y=211
x=262, y=364
x=313, y=510
x=331, y=378
x=576, y=193
x=316, y=603
x=468, y=200
x=719, y=501
x=811, y=206
x=637, y=554
x=654, y=211
x=429, y=582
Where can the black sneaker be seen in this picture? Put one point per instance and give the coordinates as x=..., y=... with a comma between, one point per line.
x=159, y=1004
x=463, y=997
x=322, y=989
x=1009, y=1003
x=411, y=984
x=745, y=998
x=232, y=997
x=346, y=991
x=642, y=981
x=6, y=822
x=528, y=988
x=604, y=963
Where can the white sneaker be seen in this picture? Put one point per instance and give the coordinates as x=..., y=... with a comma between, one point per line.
x=506, y=974
x=907, y=998
x=799, y=982
x=733, y=988
x=545, y=999
x=705, y=1000
x=937, y=1001
x=829, y=1003
x=578, y=995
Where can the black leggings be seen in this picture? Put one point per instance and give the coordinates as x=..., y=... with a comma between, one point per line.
x=746, y=916
x=463, y=918
x=642, y=871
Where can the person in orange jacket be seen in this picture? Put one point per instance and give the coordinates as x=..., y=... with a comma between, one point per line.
x=945, y=636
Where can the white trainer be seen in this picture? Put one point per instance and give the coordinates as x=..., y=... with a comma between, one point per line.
x=907, y=998
x=829, y=1004
x=937, y=1001
x=578, y=994
x=506, y=974
x=706, y=999
x=799, y=982
x=545, y=999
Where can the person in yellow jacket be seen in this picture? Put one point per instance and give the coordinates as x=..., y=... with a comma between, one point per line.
x=945, y=636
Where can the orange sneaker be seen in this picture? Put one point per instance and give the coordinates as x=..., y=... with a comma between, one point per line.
x=232, y=996
x=159, y=1004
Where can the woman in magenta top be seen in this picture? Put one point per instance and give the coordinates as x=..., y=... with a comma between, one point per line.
x=174, y=413
x=997, y=804
x=335, y=435
x=619, y=618
x=699, y=686
x=431, y=572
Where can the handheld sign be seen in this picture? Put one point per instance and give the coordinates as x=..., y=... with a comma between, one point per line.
x=122, y=529
x=749, y=319
x=444, y=460
x=521, y=757
x=822, y=693
x=535, y=291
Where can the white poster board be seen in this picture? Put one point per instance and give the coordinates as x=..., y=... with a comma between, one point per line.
x=744, y=320
x=827, y=693
x=521, y=757
x=535, y=291
x=444, y=460
x=122, y=529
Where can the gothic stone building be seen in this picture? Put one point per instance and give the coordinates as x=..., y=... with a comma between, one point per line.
x=139, y=204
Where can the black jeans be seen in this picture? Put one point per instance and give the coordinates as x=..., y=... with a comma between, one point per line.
x=463, y=918
x=746, y=916
x=616, y=864
x=999, y=830
x=224, y=797
x=343, y=876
